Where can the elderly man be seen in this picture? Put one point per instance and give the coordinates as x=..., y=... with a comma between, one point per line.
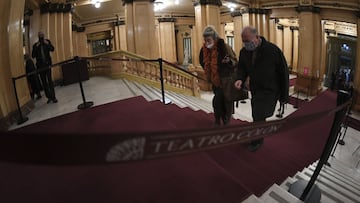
x=262, y=66
x=41, y=51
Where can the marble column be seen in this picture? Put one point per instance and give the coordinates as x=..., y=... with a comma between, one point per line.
x=207, y=12
x=120, y=35
x=258, y=18
x=167, y=39
x=288, y=45
x=265, y=28
x=123, y=39
x=272, y=30
x=11, y=56
x=238, y=26
x=246, y=19
x=116, y=38
x=55, y=20
x=141, y=31
x=67, y=36
x=80, y=45
x=280, y=36
x=295, y=47
x=53, y=37
x=310, y=46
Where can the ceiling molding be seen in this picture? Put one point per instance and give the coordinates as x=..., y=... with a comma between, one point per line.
x=208, y=2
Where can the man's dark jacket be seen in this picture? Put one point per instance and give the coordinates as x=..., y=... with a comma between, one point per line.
x=269, y=77
x=36, y=53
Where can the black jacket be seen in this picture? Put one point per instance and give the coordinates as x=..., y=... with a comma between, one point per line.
x=224, y=70
x=269, y=77
x=36, y=53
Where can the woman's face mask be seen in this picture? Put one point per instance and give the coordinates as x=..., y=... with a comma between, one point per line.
x=209, y=42
x=209, y=46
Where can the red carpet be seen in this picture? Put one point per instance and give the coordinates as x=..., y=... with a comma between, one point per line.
x=295, y=101
x=221, y=175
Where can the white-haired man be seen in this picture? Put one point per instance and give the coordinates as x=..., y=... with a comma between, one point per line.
x=265, y=66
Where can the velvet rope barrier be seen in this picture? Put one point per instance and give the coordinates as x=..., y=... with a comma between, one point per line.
x=82, y=149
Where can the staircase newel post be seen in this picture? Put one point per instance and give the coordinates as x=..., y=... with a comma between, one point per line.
x=162, y=79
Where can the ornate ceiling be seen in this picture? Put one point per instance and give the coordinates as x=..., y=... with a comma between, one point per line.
x=84, y=10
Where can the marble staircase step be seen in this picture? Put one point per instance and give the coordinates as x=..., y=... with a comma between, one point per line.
x=136, y=91
x=328, y=181
x=341, y=173
x=339, y=179
x=286, y=185
x=328, y=194
x=253, y=199
x=277, y=194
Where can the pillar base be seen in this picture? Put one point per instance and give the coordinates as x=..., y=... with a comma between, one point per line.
x=308, y=85
x=299, y=186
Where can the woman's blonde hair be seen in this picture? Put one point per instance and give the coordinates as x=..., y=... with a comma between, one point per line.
x=210, y=31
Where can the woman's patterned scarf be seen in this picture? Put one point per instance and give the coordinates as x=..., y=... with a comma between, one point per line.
x=211, y=64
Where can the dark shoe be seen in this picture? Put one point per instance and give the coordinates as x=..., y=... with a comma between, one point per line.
x=55, y=100
x=217, y=122
x=255, y=145
x=48, y=101
x=226, y=121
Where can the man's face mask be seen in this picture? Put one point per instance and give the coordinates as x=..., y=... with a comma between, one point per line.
x=250, y=46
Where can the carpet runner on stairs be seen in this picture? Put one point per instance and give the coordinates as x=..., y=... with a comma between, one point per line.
x=221, y=175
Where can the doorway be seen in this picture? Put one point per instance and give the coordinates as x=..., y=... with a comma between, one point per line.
x=341, y=59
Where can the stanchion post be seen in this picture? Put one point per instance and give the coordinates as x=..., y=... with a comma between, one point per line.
x=310, y=192
x=85, y=104
x=21, y=119
x=297, y=100
x=162, y=79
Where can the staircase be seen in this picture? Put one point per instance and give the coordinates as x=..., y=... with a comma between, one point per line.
x=151, y=93
x=220, y=175
x=203, y=103
x=335, y=186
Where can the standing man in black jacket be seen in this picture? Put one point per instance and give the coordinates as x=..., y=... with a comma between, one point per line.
x=263, y=68
x=41, y=51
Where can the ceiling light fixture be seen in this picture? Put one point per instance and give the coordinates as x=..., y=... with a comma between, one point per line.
x=231, y=6
x=97, y=4
x=158, y=6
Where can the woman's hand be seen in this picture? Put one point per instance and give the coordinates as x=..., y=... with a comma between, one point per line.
x=226, y=59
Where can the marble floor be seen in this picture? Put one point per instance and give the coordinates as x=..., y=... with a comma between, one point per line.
x=102, y=90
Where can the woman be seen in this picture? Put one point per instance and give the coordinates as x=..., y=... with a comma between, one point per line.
x=218, y=60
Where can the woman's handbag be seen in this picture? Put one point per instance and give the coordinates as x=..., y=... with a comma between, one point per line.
x=231, y=93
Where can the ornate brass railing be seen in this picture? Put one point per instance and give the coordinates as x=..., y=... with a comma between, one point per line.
x=139, y=69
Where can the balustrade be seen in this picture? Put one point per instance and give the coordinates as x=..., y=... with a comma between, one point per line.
x=175, y=79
